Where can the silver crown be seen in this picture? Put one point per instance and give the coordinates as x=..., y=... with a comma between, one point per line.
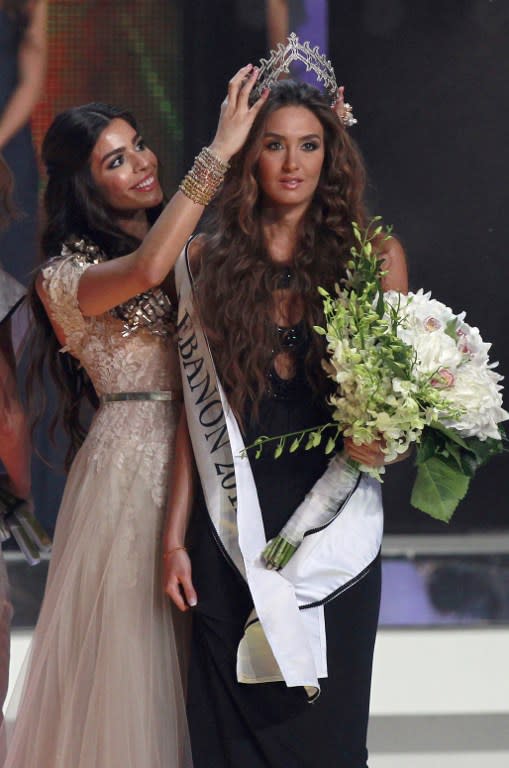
x=279, y=62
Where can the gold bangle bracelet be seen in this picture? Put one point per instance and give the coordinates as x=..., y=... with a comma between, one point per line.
x=171, y=551
x=202, y=182
x=218, y=165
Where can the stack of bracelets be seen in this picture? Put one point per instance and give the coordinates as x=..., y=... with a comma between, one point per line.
x=205, y=177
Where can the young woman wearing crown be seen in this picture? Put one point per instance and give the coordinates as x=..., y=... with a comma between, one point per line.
x=281, y=661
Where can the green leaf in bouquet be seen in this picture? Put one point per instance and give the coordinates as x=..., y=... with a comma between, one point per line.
x=323, y=292
x=427, y=446
x=436, y=442
x=455, y=452
x=278, y=451
x=396, y=368
x=317, y=438
x=309, y=443
x=484, y=450
x=380, y=303
x=481, y=451
x=314, y=440
x=438, y=488
x=469, y=463
x=319, y=330
x=450, y=329
x=331, y=444
x=257, y=445
x=451, y=434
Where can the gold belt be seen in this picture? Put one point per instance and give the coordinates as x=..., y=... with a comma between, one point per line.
x=162, y=395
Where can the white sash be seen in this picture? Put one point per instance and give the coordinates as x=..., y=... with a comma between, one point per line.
x=285, y=636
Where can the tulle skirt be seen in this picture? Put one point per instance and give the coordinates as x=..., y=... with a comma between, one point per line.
x=103, y=686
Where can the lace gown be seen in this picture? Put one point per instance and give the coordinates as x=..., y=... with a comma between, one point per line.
x=103, y=686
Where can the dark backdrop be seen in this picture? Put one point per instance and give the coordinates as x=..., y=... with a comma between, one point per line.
x=219, y=38
x=429, y=81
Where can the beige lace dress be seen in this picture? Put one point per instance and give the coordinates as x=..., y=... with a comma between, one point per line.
x=103, y=685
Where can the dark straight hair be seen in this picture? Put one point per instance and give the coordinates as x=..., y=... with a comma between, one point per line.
x=74, y=207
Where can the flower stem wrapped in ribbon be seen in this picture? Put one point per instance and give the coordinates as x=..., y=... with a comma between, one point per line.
x=406, y=370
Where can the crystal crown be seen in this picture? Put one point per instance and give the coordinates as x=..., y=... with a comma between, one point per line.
x=279, y=62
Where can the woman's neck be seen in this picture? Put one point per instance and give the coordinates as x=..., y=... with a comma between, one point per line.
x=281, y=230
x=134, y=224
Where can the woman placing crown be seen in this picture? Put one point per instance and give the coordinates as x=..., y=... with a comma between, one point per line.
x=103, y=688
x=281, y=661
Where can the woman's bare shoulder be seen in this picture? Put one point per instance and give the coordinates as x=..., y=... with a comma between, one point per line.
x=394, y=265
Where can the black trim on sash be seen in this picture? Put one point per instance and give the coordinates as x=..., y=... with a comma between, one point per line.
x=186, y=248
x=338, y=510
x=221, y=546
x=250, y=623
x=339, y=591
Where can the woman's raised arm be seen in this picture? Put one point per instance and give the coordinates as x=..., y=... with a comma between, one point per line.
x=108, y=284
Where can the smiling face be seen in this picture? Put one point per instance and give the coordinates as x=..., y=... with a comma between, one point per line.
x=125, y=170
x=291, y=159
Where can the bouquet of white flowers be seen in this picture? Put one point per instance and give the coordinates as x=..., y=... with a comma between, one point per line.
x=406, y=370
x=464, y=430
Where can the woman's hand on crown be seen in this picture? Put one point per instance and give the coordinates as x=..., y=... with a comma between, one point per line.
x=237, y=116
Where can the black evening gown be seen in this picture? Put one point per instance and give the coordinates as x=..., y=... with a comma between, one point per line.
x=235, y=725
x=18, y=245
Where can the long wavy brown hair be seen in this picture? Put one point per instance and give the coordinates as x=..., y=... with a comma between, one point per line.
x=237, y=279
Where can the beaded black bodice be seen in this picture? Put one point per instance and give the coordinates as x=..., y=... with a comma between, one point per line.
x=291, y=344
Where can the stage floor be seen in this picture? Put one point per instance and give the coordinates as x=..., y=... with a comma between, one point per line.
x=440, y=692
